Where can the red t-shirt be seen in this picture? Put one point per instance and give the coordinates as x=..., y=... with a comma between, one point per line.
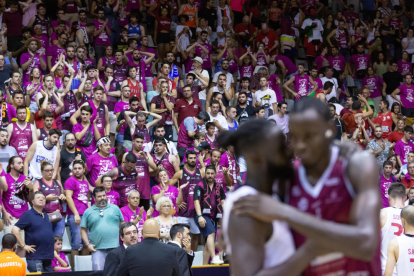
x=395, y=136
x=268, y=40
x=185, y=109
x=164, y=24
x=249, y=29
x=171, y=84
x=39, y=120
x=385, y=121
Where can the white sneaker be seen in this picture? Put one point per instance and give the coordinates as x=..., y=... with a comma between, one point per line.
x=216, y=260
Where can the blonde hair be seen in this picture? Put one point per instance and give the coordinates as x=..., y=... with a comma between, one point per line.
x=160, y=201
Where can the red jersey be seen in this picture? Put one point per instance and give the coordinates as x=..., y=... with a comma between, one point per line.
x=395, y=136
x=386, y=123
x=135, y=89
x=330, y=199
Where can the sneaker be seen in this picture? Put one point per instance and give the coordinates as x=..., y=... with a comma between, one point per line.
x=216, y=260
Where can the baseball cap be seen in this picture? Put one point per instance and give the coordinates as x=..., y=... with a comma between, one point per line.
x=199, y=59
x=203, y=146
x=204, y=116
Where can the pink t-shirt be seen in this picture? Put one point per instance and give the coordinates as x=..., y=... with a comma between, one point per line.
x=229, y=162
x=237, y=5
x=98, y=166
x=318, y=82
x=275, y=87
x=148, y=72
x=407, y=95
x=102, y=38
x=384, y=185
x=207, y=58
x=319, y=60
x=92, y=147
x=171, y=193
x=246, y=71
x=338, y=63
x=34, y=64
x=301, y=85
x=80, y=190
x=55, y=262
x=54, y=51
x=45, y=43
x=404, y=67
x=119, y=107
x=361, y=62
x=14, y=205
x=402, y=149
x=129, y=215
x=374, y=84
x=261, y=60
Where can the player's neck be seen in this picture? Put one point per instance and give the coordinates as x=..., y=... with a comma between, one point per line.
x=262, y=182
x=15, y=174
x=397, y=203
x=189, y=169
x=130, y=206
x=315, y=171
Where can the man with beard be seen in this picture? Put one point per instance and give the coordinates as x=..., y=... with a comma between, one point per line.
x=48, y=120
x=77, y=191
x=102, y=220
x=32, y=59
x=102, y=34
x=203, y=47
x=128, y=233
x=120, y=67
x=188, y=105
x=180, y=236
x=221, y=87
x=245, y=87
x=379, y=147
x=225, y=71
x=56, y=50
x=43, y=150
x=159, y=132
x=137, y=61
x=21, y=133
x=125, y=179
x=222, y=177
x=176, y=72
x=339, y=124
x=67, y=156
x=208, y=204
x=301, y=83
x=187, y=179
x=308, y=213
x=139, y=127
x=190, y=80
x=81, y=23
x=148, y=73
x=14, y=185
x=6, y=151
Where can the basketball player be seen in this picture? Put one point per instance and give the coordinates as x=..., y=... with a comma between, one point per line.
x=390, y=219
x=400, y=249
x=329, y=200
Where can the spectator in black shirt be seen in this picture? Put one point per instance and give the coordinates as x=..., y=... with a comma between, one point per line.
x=210, y=14
x=244, y=111
x=393, y=79
x=67, y=156
x=387, y=32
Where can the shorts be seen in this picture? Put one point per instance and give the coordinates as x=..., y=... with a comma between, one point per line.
x=190, y=221
x=8, y=229
x=163, y=38
x=75, y=233
x=113, y=121
x=209, y=228
x=33, y=107
x=62, y=138
x=311, y=48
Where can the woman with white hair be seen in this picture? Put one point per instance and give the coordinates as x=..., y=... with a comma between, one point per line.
x=164, y=206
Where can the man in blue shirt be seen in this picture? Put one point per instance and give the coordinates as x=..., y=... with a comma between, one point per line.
x=38, y=235
x=103, y=220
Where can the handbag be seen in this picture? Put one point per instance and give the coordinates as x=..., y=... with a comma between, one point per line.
x=55, y=216
x=88, y=138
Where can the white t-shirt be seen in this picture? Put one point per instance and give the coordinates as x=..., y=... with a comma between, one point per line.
x=222, y=40
x=266, y=97
x=202, y=95
x=220, y=118
x=410, y=48
x=170, y=145
x=317, y=32
x=5, y=154
x=334, y=89
x=229, y=78
x=282, y=123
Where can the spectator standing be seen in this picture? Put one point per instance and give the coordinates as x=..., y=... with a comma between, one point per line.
x=379, y=147
x=393, y=79
x=245, y=111
x=128, y=233
x=4, y=75
x=77, y=189
x=140, y=127
x=404, y=146
x=386, y=179
x=387, y=32
x=281, y=118
x=360, y=63
x=86, y=128
x=339, y=124
x=10, y=263
x=102, y=220
x=187, y=106
x=266, y=98
x=32, y=59
x=67, y=157
x=269, y=39
x=406, y=99
x=180, y=236
x=38, y=239
x=12, y=22
x=245, y=33
x=102, y=34
x=6, y=151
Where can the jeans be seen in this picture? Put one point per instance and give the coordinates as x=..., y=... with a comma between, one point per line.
x=346, y=53
x=358, y=83
x=59, y=227
x=46, y=265
x=98, y=258
x=119, y=139
x=75, y=232
x=203, y=104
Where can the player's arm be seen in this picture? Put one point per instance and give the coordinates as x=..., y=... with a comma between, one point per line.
x=357, y=240
x=392, y=257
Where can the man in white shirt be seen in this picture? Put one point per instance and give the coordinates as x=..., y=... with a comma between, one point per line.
x=282, y=120
x=313, y=28
x=223, y=31
x=266, y=98
x=200, y=73
x=224, y=70
x=159, y=132
x=215, y=117
x=329, y=77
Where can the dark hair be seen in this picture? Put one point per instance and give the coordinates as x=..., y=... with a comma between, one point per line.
x=157, y=126
x=58, y=238
x=119, y=153
x=210, y=124
x=8, y=241
x=214, y=102
x=48, y=114
x=38, y=193
x=42, y=100
x=178, y=228
x=17, y=92
x=78, y=162
x=138, y=136
x=328, y=85
x=133, y=99
x=191, y=75
x=87, y=108
x=82, y=11
x=332, y=105
x=20, y=107
x=127, y=225
x=408, y=129
x=279, y=104
x=131, y=158
x=97, y=88
x=257, y=109
x=97, y=190
x=55, y=131
x=188, y=152
x=245, y=79
x=211, y=167
x=110, y=66
x=105, y=176
x=387, y=104
x=11, y=162
x=356, y=105
x=40, y=5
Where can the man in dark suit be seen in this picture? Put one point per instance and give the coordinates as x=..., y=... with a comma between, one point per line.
x=129, y=236
x=151, y=257
x=180, y=236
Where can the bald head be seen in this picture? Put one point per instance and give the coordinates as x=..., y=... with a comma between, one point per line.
x=408, y=215
x=151, y=229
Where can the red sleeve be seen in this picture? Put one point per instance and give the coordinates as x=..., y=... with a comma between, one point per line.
x=36, y=115
x=54, y=114
x=377, y=121
x=391, y=137
x=154, y=82
x=174, y=86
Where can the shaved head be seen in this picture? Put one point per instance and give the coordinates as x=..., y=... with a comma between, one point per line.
x=408, y=215
x=151, y=229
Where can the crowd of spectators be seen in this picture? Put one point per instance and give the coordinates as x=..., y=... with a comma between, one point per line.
x=111, y=110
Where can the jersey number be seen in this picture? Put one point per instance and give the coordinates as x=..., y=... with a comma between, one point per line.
x=400, y=228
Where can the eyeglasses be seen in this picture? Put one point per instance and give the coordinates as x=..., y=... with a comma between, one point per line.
x=101, y=213
x=48, y=171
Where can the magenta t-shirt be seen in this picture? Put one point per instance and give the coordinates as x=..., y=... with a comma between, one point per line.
x=384, y=185
x=275, y=87
x=207, y=58
x=171, y=193
x=34, y=64
x=98, y=166
x=301, y=85
x=407, y=95
x=404, y=67
x=402, y=149
x=246, y=71
x=318, y=82
x=319, y=60
x=229, y=162
x=361, y=62
x=128, y=215
x=121, y=106
x=45, y=43
x=290, y=66
x=189, y=64
x=338, y=63
x=55, y=52
x=92, y=147
x=102, y=38
x=14, y=205
x=374, y=84
x=112, y=196
x=261, y=60
x=80, y=190
x=55, y=262
x=148, y=72
x=233, y=66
